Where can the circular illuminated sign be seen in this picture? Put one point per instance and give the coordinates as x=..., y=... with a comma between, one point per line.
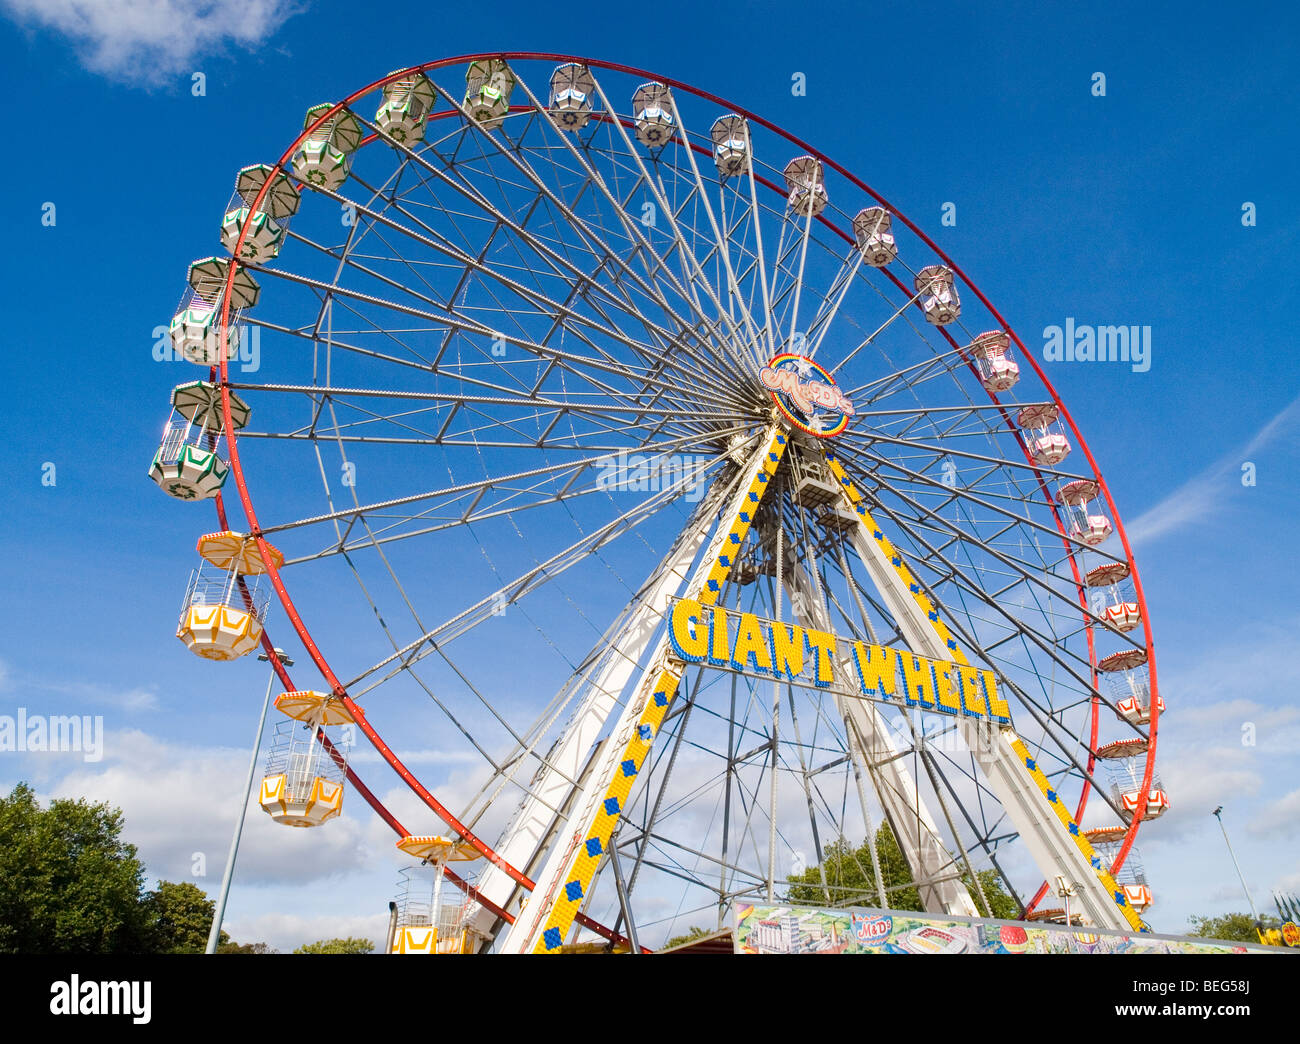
x=807, y=395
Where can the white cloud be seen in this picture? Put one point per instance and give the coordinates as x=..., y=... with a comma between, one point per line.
x=1196, y=784
x=1201, y=496
x=1278, y=820
x=285, y=932
x=370, y=756
x=129, y=699
x=1288, y=883
x=178, y=801
x=1218, y=743
x=149, y=40
x=136, y=698
x=1229, y=892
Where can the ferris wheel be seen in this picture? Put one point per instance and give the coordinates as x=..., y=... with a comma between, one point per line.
x=617, y=443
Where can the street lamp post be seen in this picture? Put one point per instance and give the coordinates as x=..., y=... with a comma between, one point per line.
x=214, y=935
x=1218, y=814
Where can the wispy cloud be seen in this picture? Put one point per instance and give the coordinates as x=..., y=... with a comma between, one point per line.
x=369, y=756
x=1229, y=738
x=287, y=931
x=130, y=698
x=136, y=698
x=1198, y=497
x=1278, y=820
x=146, y=41
x=180, y=802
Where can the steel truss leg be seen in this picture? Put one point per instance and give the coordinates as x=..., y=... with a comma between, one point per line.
x=1044, y=823
x=583, y=838
x=937, y=874
x=558, y=779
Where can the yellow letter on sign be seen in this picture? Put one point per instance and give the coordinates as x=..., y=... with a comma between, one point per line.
x=822, y=646
x=998, y=709
x=787, y=650
x=690, y=639
x=918, y=680
x=719, y=641
x=973, y=701
x=877, y=670
x=751, y=643
x=945, y=687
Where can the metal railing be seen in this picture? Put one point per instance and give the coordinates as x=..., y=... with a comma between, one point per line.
x=205, y=588
x=294, y=752
x=181, y=433
x=1129, y=684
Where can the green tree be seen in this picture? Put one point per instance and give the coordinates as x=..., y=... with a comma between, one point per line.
x=1233, y=927
x=693, y=933
x=68, y=882
x=179, y=917
x=1002, y=904
x=348, y=945
x=851, y=879
x=234, y=947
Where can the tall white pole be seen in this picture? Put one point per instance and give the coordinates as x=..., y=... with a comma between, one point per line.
x=1218, y=814
x=214, y=936
x=437, y=903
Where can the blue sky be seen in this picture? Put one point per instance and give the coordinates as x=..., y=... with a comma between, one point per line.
x=1122, y=209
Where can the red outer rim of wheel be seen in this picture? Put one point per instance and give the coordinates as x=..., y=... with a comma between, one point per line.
x=304, y=635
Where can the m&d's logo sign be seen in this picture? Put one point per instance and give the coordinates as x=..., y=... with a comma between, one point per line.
x=806, y=394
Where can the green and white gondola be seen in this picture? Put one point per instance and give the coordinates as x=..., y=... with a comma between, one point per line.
x=188, y=464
